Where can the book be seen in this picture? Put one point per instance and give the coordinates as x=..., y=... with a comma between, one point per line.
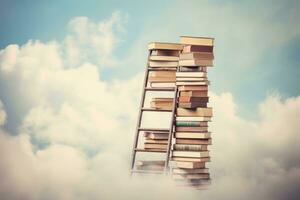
x=163, y=63
x=191, y=129
x=197, y=48
x=162, y=103
x=194, y=141
x=180, y=83
x=187, y=99
x=155, y=141
x=192, y=105
x=192, y=69
x=163, y=74
x=197, y=40
x=196, y=56
x=190, y=171
x=191, y=74
x=161, y=79
x=208, y=63
x=193, y=94
x=193, y=135
x=186, y=159
x=189, y=147
x=190, y=123
x=155, y=146
x=190, y=176
x=190, y=165
x=165, y=52
x=184, y=118
x=191, y=79
x=201, y=112
x=193, y=154
x=164, y=45
x=164, y=58
x=150, y=167
x=156, y=135
x=193, y=88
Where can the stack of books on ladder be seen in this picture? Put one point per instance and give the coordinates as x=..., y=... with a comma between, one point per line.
x=192, y=137
x=162, y=66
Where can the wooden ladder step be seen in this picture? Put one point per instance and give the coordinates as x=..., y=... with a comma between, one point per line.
x=156, y=110
x=171, y=89
x=151, y=150
x=155, y=129
x=146, y=171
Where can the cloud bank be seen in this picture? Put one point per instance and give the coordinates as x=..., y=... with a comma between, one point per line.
x=75, y=133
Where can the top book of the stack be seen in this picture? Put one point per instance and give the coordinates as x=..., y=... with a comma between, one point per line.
x=203, y=41
x=167, y=46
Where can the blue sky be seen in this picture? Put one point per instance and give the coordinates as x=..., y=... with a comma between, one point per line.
x=274, y=70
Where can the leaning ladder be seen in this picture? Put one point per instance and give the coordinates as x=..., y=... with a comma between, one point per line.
x=139, y=129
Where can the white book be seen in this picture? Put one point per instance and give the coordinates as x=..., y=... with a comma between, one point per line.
x=191, y=74
x=206, y=119
x=160, y=84
x=193, y=135
x=194, y=154
x=192, y=83
x=187, y=79
x=163, y=63
x=164, y=58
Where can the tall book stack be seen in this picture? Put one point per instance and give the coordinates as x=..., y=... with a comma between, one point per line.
x=162, y=66
x=192, y=137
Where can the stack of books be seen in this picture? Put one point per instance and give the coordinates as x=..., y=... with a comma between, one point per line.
x=190, y=151
x=156, y=140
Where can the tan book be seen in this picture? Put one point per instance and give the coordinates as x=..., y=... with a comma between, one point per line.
x=191, y=79
x=201, y=112
x=163, y=63
x=193, y=88
x=155, y=146
x=161, y=105
x=193, y=135
x=193, y=154
x=190, y=171
x=189, y=147
x=194, y=141
x=156, y=135
x=193, y=94
x=165, y=52
x=208, y=63
x=164, y=58
x=191, y=74
x=162, y=99
x=150, y=167
x=198, y=118
x=196, y=56
x=190, y=165
x=163, y=74
x=197, y=40
x=191, y=129
x=164, y=45
x=186, y=159
x=161, y=79
x=192, y=105
x=190, y=176
x=180, y=83
x=153, y=141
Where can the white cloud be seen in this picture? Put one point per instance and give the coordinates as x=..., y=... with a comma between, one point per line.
x=87, y=125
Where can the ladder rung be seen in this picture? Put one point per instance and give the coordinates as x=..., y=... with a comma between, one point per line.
x=156, y=110
x=171, y=89
x=155, y=129
x=146, y=171
x=151, y=150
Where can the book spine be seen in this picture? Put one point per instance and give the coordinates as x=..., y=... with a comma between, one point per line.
x=189, y=147
x=187, y=123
